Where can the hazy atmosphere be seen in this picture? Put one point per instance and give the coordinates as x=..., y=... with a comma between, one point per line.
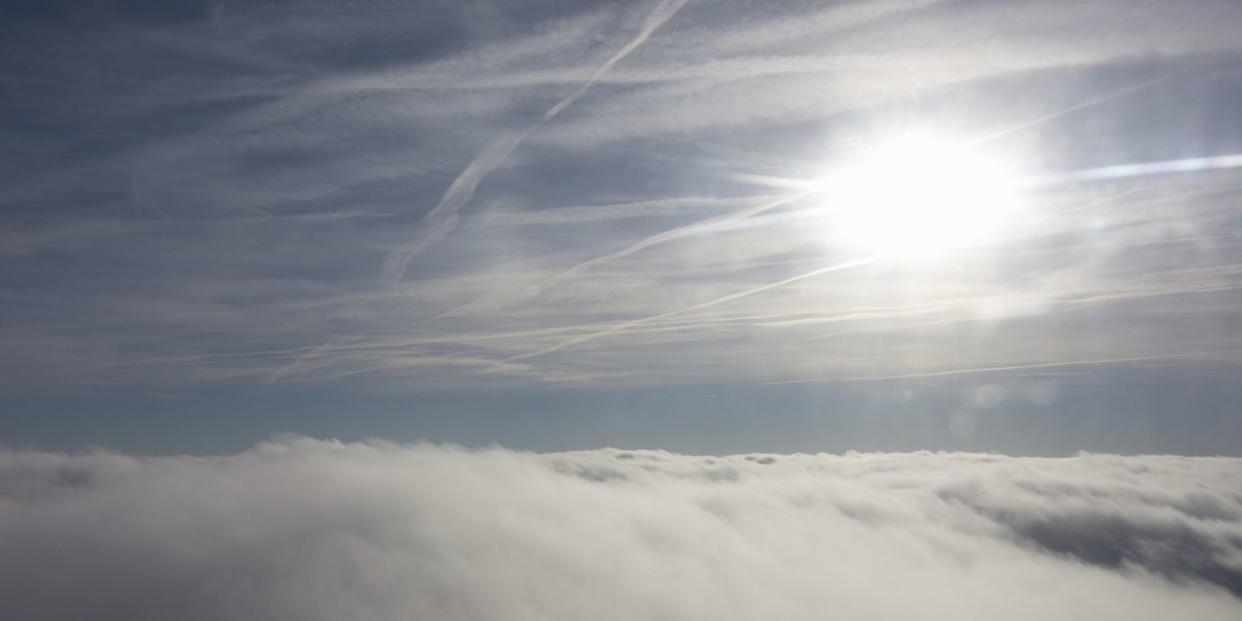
x=666, y=309
x=441, y=210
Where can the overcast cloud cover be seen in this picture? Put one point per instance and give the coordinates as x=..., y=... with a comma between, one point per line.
x=305, y=529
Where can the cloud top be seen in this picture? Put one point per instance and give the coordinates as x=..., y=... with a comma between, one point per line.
x=306, y=529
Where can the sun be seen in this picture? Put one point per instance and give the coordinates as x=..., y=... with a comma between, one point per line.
x=919, y=196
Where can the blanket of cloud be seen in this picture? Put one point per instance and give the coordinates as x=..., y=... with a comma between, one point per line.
x=306, y=529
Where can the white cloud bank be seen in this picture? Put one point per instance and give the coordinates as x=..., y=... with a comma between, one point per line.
x=303, y=529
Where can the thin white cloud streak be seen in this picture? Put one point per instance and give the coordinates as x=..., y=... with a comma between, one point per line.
x=151, y=318
x=873, y=65
x=720, y=51
x=1185, y=165
x=442, y=219
x=825, y=21
x=626, y=325
x=568, y=273
x=662, y=13
x=578, y=214
x=668, y=236
x=1018, y=367
x=1087, y=103
x=310, y=530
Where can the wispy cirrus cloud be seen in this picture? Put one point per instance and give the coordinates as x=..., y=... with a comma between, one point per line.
x=209, y=198
x=440, y=221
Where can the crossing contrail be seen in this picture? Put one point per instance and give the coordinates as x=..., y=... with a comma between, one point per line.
x=442, y=219
x=1011, y=367
x=625, y=325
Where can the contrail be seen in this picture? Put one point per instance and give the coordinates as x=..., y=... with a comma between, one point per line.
x=793, y=182
x=441, y=220
x=306, y=360
x=1087, y=103
x=659, y=238
x=747, y=213
x=672, y=206
x=1015, y=367
x=655, y=19
x=625, y=325
x=1190, y=164
x=667, y=236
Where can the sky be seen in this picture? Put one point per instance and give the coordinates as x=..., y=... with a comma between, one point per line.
x=691, y=225
x=658, y=309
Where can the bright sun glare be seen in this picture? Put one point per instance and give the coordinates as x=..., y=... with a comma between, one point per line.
x=920, y=196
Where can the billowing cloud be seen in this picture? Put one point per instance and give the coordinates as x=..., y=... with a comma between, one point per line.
x=305, y=529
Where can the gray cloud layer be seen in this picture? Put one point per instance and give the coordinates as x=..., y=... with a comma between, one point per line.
x=303, y=529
